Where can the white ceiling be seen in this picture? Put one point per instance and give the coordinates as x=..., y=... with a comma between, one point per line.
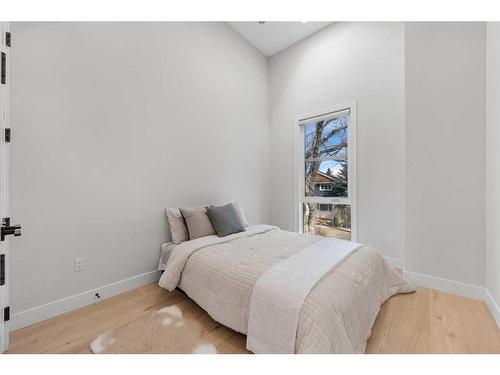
x=272, y=37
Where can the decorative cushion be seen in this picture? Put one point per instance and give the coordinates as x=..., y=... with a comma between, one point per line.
x=241, y=214
x=225, y=219
x=198, y=223
x=177, y=225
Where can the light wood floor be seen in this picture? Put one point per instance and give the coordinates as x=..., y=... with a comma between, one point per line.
x=427, y=321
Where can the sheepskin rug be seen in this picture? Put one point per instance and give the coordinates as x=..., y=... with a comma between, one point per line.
x=162, y=331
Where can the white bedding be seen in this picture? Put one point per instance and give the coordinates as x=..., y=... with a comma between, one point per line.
x=281, y=290
x=166, y=250
x=337, y=315
x=180, y=255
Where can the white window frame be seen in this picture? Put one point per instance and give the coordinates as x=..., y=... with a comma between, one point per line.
x=351, y=160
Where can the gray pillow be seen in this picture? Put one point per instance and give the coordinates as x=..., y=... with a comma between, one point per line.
x=225, y=219
x=198, y=223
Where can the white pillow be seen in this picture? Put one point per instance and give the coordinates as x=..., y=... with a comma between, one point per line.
x=177, y=225
x=241, y=215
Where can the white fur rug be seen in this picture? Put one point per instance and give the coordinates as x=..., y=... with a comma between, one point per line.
x=163, y=331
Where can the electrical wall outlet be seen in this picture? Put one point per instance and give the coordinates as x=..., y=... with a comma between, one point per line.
x=79, y=264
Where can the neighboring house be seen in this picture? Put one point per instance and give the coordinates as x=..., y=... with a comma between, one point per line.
x=323, y=187
x=326, y=185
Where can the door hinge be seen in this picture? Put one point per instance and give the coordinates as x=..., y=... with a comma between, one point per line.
x=9, y=230
x=4, y=68
x=8, y=39
x=7, y=134
x=2, y=269
x=6, y=314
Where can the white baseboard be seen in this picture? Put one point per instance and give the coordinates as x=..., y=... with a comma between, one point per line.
x=395, y=262
x=63, y=305
x=449, y=286
x=492, y=305
x=455, y=287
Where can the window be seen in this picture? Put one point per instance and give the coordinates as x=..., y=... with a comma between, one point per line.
x=324, y=207
x=327, y=186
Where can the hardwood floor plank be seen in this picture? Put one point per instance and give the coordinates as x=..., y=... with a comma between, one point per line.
x=427, y=321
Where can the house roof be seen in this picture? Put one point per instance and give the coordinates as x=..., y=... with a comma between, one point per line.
x=331, y=178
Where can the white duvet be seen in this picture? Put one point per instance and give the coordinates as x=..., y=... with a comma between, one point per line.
x=279, y=293
x=338, y=312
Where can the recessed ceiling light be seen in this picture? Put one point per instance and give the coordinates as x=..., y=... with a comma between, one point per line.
x=303, y=21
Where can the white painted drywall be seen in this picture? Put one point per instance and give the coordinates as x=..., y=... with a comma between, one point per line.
x=344, y=62
x=493, y=161
x=113, y=122
x=272, y=37
x=445, y=143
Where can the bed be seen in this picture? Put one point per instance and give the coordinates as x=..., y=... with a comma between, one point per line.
x=227, y=275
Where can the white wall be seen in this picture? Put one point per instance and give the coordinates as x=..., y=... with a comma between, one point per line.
x=113, y=122
x=346, y=61
x=493, y=162
x=445, y=158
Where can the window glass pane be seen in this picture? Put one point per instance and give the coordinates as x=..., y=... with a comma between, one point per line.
x=332, y=223
x=324, y=207
x=326, y=138
x=326, y=179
